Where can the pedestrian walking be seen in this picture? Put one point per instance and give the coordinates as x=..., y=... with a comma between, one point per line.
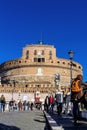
x=24, y=105
x=76, y=95
x=20, y=105
x=51, y=100
x=47, y=103
x=32, y=105
x=28, y=105
x=59, y=101
x=68, y=103
x=11, y=105
x=3, y=102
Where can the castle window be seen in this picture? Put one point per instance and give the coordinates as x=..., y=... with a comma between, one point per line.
x=50, y=57
x=35, y=52
x=43, y=59
x=27, y=54
x=26, y=86
x=35, y=59
x=42, y=52
x=2, y=85
x=50, y=52
x=79, y=67
x=39, y=59
x=27, y=57
x=74, y=65
x=58, y=62
x=10, y=63
x=19, y=61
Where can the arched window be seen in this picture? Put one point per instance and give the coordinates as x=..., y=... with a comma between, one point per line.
x=35, y=52
x=27, y=54
x=50, y=52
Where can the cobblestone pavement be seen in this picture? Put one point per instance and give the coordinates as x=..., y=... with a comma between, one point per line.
x=26, y=120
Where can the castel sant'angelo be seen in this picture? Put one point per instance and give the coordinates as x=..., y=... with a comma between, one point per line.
x=35, y=72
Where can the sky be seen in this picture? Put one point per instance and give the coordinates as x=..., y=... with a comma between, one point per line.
x=62, y=23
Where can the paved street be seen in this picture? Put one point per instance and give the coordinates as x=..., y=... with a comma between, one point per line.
x=65, y=122
x=27, y=120
x=34, y=120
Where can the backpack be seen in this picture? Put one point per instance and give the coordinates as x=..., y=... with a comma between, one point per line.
x=75, y=87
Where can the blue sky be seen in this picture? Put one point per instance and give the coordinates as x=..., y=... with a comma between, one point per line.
x=62, y=23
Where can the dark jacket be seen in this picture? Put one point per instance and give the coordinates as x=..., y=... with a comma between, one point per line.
x=47, y=101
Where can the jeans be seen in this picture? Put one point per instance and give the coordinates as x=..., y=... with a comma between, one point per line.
x=76, y=112
x=59, y=108
x=3, y=107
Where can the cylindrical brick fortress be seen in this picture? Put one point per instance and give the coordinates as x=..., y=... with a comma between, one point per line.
x=35, y=71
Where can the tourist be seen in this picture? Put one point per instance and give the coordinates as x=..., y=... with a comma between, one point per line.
x=3, y=102
x=20, y=105
x=32, y=105
x=28, y=105
x=76, y=95
x=47, y=103
x=51, y=100
x=68, y=103
x=59, y=101
x=24, y=105
x=11, y=104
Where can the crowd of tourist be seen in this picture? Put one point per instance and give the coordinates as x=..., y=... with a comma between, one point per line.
x=72, y=103
x=21, y=106
x=60, y=101
x=15, y=106
x=49, y=104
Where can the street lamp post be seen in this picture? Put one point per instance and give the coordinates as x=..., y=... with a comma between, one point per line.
x=57, y=79
x=71, y=54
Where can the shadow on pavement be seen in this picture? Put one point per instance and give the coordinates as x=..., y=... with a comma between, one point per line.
x=39, y=121
x=67, y=122
x=43, y=121
x=6, y=127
